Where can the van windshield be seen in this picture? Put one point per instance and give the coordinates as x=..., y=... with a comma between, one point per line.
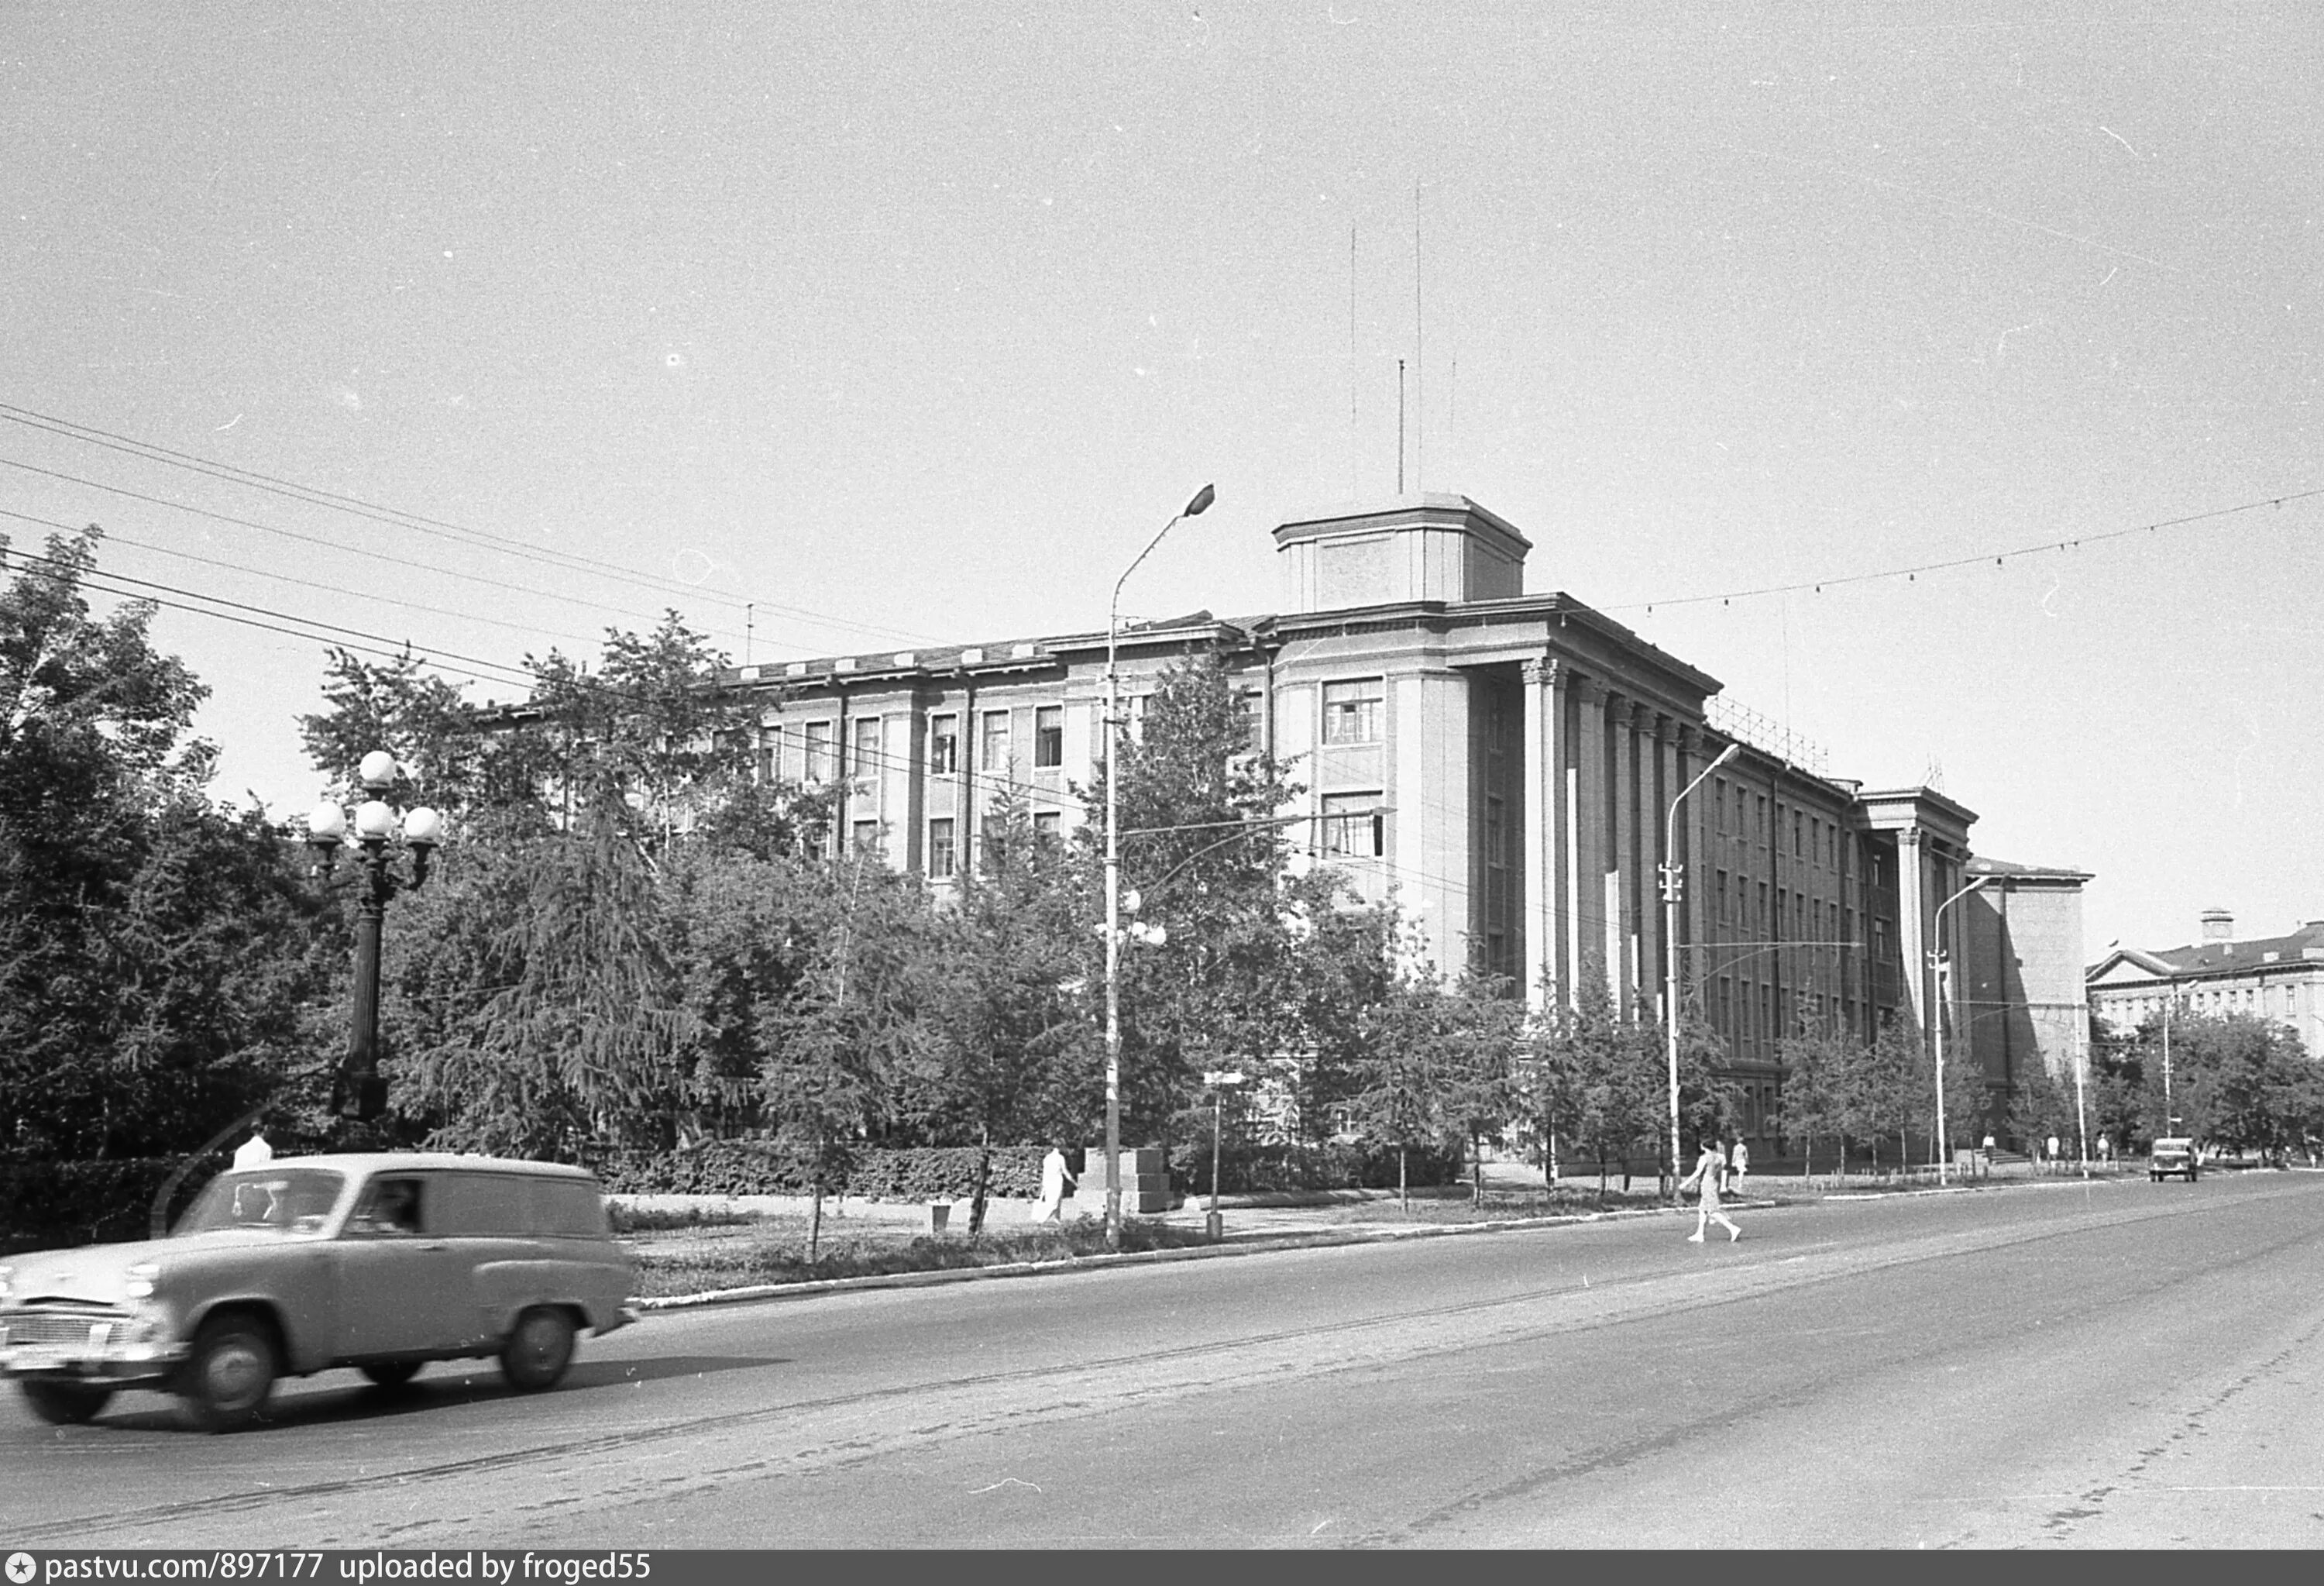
x=281, y=1200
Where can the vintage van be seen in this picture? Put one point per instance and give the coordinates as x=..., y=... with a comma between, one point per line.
x=380, y=1262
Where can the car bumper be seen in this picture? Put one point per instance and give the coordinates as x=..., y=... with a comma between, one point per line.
x=109, y=1351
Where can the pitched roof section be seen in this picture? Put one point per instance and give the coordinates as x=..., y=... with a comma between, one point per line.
x=2203, y=960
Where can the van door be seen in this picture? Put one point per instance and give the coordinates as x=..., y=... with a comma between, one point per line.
x=402, y=1282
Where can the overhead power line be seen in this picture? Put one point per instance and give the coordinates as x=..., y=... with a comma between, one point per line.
x=398, y=517
x=1818, y=585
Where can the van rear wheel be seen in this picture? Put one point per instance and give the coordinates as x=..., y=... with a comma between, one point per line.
x=539, y=1349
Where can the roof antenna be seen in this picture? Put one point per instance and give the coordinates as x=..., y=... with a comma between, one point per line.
x=1353, y=433
x=1399, y=427
x=1419, y=357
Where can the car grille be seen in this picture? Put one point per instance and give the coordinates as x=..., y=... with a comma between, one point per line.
x=53, y=1329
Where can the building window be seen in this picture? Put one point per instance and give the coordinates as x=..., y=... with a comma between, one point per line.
x=993, y=752
x=1351, y=825
x=770, y=755
x=1254, y=721
x=1048, y=737
x=867, y=747
x=1048, y=826
x=1496, y=834
x=1353, y=712
x=941, y=852
x=943, y=745
x=818, y=751
x=1718, y=914
x=863, y=837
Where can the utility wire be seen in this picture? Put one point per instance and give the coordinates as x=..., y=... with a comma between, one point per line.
x=1817, y=585
x=113, y=537
x=440, y=527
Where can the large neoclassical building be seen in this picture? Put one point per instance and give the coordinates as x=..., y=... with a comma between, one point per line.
x=1505, y=762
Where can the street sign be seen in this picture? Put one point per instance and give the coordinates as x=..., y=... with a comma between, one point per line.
x=1221, y=1076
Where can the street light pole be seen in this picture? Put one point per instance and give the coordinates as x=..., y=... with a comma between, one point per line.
x=1674, y=880
x=360, y=1093
x=1942, y=962
x=1113, y=725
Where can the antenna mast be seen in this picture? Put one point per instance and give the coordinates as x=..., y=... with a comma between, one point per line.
x=1352, y=431
x=1399, y=427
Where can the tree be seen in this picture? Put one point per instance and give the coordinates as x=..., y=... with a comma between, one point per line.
x=1484, y=1027
x=1204, y=851
x=1605, y=1079
x=1822, y=1067
x=833, y=1051
x=1010, y=1045
x=583, y=969
x=1893, y=1088
x=1410, y=1071
x=156, y=951
x=537, y=1010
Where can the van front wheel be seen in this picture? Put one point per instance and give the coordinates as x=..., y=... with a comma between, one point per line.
x=539, y=1350
x=65, y=1403
x=229, y=1374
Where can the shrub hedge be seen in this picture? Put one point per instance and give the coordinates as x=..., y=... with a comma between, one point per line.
x=1247, y=1168
x=756, y=1167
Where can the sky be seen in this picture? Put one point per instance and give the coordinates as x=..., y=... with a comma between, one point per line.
x=1928, y=373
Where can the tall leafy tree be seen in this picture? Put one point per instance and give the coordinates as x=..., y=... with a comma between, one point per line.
x=1603, y=1076
x=1012, y=1045
x=1205, y=851
x=1822, y=1067
x=155, y=947
x=835, y=1050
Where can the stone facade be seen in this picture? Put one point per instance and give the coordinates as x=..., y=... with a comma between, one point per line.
x=1523, y=752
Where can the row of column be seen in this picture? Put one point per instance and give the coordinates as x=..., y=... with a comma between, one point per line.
x=1601, y=769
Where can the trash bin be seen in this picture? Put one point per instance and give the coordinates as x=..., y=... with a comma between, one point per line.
x=939, y=1215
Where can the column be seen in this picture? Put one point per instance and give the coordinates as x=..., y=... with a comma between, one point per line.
x=1586, y=928
x=1544, y=816
x=1913, y=923
x=1622, y=862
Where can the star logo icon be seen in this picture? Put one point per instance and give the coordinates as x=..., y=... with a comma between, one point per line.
x=21, y=1568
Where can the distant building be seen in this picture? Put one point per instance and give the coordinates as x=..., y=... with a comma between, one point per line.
x=2279, y=979
x=1506, y=762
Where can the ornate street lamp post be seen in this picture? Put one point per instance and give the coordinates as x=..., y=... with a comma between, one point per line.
x=360, y=1093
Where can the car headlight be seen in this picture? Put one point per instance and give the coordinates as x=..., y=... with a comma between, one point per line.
x=140, y=1281
x=5, y=1273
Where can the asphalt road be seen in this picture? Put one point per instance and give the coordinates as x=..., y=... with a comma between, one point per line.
x=2122, y=1365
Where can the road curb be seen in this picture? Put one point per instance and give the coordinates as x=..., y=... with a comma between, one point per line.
x=1261, y=1243
x=1243, y=1245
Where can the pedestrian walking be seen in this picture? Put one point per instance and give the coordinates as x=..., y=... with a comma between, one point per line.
x=1708, y=1168
x=1058, y=1181
x=1739, y=1164
x=2051, y=1154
